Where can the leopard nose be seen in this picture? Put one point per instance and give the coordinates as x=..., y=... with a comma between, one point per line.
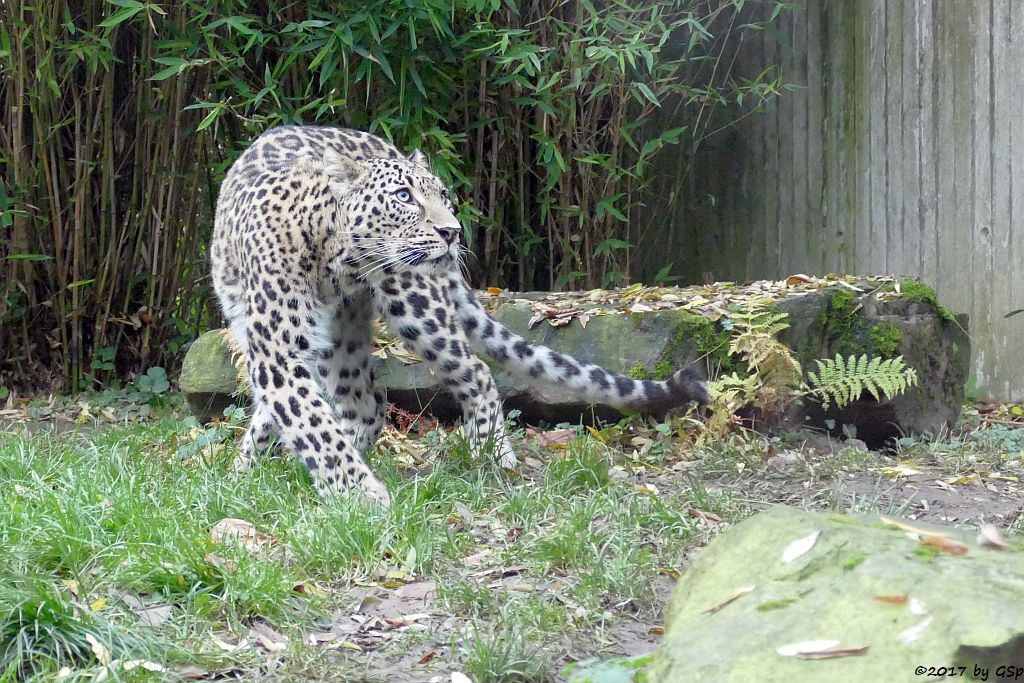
x=450, y=233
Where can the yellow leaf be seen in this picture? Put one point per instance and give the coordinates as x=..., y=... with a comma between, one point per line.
x=97, y=605
x=494, y=291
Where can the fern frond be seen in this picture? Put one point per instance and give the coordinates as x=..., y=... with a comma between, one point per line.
x=843, y=380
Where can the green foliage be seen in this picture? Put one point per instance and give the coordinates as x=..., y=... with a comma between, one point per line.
x=842, y=380
x=123, y=115
x=885, y=339
x=915, y=290
x=153, y=382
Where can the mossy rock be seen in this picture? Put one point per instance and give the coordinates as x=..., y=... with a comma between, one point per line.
x=208, y=378
x=930, y=339
x=862, y=583
x=652, y=344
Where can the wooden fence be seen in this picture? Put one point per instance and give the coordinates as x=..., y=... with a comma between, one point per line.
x=902, y=153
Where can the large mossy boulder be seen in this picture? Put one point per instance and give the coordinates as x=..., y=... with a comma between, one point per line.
x=209, y=378
x=890, y=319
x=886, y=597
x=647, y=332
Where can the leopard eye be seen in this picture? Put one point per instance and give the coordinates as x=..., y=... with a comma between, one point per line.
x=404, y=195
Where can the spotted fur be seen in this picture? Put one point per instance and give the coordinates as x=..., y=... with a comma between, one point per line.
x=319, y=230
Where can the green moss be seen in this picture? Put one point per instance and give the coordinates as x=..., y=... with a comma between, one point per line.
x=853, y=562
x=775, y=604
x=638, y=371
x=712, y=344
x=885, y=339
x=916, y=290
x=663, y=368
x=840, y=323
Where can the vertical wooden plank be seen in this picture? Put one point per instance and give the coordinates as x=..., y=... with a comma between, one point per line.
x=754, y=230
x=784, y=223
x=873, y=259
x=1012, y=365
x=896, y=97
x=998, y=268
x=815, y=60
x=799, y=226
x=946, y=52
x=957, y=292
x=928, y=258
x=980, y=257
x=844, y=175
x=767, y=259
x=909, y=260
x=862, y=136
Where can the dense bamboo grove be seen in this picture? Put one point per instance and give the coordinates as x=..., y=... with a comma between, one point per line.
x=119, y=118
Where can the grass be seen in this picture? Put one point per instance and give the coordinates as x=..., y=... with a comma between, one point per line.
x=97, y=524
x=516, y=576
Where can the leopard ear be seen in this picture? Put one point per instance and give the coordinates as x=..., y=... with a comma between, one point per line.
x=343, y=170
x=418, y=157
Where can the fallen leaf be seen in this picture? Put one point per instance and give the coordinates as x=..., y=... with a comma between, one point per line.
x=990, y=537
x=656, y=630
x=555, y=437
x=806, y=647
x=917, y=608
x=316, y=638
x=892, y=599
x=914, y=632
x=223, y=564
x=410, y=561
x=834, y=652
x=241, y=532
x=370, y=600
x=97, y=605
x=522, y=587
x=798, y=278
x=477, y=558
x=418, y=590
x=494, y=291
x=898, y=471
x=800, y=547
x=464, y=512
x=427, y=657
x=99, y=650
x=268, y=637
x=147, y=665
x=945, y=544
x=242, y=644
x=701, y=514
x=154, y=616
x=729, y=600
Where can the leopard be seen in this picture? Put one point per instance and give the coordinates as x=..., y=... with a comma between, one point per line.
x=318, y=232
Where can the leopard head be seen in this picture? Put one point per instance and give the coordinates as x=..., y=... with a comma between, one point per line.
x=395, y=214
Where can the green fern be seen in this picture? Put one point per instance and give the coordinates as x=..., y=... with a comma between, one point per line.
x=842, y=380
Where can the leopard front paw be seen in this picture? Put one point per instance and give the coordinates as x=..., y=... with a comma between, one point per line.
x=375, y=492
